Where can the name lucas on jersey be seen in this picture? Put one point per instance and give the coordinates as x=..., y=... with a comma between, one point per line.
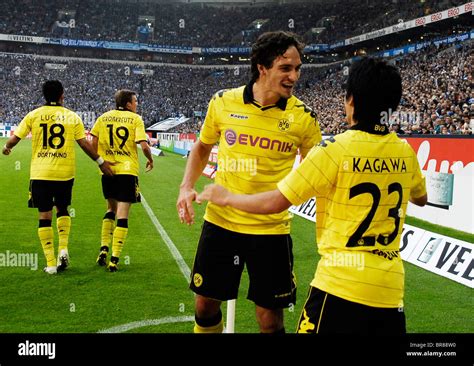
x=364, y=165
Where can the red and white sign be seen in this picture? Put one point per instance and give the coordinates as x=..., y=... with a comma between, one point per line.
x=448, y=166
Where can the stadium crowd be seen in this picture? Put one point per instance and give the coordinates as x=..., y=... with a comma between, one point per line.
x=196, y=24
x=438, y=94
x=438, y=90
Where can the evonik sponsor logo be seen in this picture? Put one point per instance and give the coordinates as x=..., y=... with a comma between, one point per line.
x=265, y=143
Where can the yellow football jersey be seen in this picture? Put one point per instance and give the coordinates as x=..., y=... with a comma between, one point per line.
x=362, y=182
x=54, y=130
x=257, y=148
x=118, y=132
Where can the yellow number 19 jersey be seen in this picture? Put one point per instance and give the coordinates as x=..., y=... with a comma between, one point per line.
x=54, y=130
x=118, y=132
x=362, y=182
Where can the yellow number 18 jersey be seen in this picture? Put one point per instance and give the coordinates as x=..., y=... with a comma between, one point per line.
x=54, y=130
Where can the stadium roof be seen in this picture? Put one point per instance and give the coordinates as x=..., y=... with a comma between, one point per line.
x=167, y=124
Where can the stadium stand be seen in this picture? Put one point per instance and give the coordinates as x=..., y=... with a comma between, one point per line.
x=195, y=24
x=438, y=88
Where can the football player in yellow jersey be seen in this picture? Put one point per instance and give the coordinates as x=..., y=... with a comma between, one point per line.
x=115, y=135
x=260, y=127
x=362, y=180
x=53, y=164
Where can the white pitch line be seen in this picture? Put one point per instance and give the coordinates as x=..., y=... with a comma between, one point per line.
x=145, y=323
x=169, y=243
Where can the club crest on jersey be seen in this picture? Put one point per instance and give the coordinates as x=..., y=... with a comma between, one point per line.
x=283, y=124
x=197, y=279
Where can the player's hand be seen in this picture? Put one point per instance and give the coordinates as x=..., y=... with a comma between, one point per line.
x=185, y=205
x=214, y=193
x=149, y=166
x=6, y=150
x=106, y=168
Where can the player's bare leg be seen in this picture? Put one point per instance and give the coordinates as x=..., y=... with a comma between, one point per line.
x=270, y=320
x=208, y=315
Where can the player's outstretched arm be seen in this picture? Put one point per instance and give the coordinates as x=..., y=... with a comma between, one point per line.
x=419, y=201
x=104, y=165
x=11, y=143
x=147, y=152
x=197, y=161
x=259, y=203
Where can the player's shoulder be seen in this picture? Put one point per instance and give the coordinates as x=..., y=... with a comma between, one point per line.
x=72, y=114
x=224, y=95
x=39, y=110
x=298, y=106
x=336, y=144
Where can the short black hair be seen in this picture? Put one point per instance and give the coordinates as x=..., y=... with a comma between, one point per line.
x=376, y=88
x=122, y=97
x=52, y=91
x=269, y=46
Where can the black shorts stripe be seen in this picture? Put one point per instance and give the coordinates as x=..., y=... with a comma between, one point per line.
x=324, y=313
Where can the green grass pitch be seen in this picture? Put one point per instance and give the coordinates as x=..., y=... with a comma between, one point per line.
x=149, y=285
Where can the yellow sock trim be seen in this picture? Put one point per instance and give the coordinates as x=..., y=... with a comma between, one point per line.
x=46, y=237
x=118, y=241
x=63, y=224
x=218, y=328
x=108, y=226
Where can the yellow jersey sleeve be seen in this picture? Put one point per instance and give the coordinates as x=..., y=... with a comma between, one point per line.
x=313, y=177
x=140, y=134
x=418, y=188
x=24, y=127
x=79, y=131
x=312, y=135
x=209, y=131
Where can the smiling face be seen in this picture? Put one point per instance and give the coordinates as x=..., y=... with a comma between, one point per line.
x=282, y=76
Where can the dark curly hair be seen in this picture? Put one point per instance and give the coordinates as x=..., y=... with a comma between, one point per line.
x=269, y=46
